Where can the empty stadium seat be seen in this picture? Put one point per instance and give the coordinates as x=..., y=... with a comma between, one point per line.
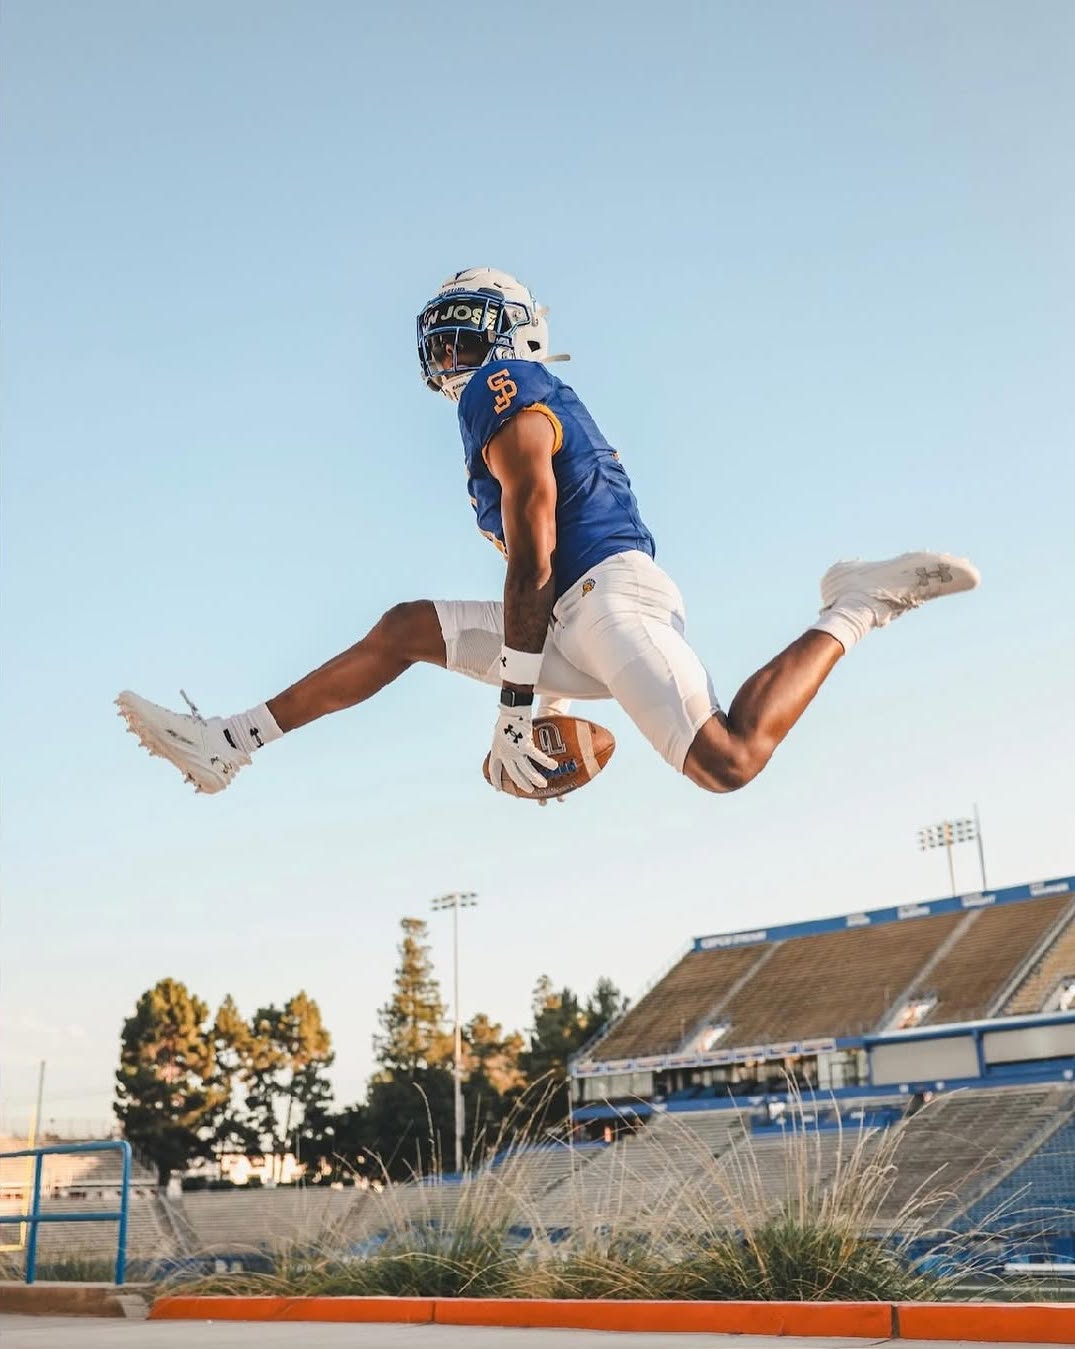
x=970, y=977
x=961, y=1144
x=1057, y=963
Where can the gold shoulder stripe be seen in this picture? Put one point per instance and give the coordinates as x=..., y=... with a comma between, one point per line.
x=557, y=425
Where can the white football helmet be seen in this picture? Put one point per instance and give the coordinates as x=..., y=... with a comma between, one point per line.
x=479, y=315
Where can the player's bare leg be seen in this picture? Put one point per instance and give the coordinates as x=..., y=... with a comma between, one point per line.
x=405, y=634
x=730, y=750
x=209, y=752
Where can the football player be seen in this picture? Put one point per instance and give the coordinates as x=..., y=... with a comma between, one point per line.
x=586, y=613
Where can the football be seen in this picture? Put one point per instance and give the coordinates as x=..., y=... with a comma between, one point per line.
x=581, y=749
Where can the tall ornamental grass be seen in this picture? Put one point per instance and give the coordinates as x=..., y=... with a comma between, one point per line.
x=659, y=1216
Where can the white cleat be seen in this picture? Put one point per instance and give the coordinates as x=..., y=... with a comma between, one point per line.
x=888, y=589
x=200, y=749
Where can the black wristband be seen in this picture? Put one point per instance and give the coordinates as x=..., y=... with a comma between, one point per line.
x=516, y=698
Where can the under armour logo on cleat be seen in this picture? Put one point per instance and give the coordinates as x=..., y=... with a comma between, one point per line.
x=942, y=572
x=255, y=735
x=227, y=737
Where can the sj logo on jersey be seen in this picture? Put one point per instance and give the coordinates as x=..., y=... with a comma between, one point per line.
x=505, y=389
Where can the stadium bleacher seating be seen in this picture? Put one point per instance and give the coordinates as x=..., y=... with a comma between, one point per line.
x=712, y=1162
x=788, y=995
x=1057, y=963
x=693, y=987
x=545, y=1166
x=1036, y=1192
x=234, y=1221
x=795, y=994
x=962, y=1143
x=968, y=979
x=845, y=982
x=957, y=1147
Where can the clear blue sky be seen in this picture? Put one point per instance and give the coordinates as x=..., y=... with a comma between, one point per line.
x=814, y=264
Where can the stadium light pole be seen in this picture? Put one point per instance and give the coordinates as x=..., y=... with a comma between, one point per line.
x=949, y=832
x=981, y=850
x=466, y=899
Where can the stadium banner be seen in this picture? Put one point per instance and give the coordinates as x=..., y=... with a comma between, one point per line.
x=899, y=913
x=715, y=1058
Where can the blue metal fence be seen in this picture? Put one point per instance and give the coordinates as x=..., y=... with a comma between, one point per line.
x=35, y=1217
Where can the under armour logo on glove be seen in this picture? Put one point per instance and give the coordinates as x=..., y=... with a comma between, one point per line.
x=514, y=757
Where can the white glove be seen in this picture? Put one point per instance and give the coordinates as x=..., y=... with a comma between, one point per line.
x=514, y=749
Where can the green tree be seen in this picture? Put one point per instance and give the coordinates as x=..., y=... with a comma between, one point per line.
x=490, y=1054
x=493, y=1081
x=412, y=1035
x=604, y=1004
x=289, y=1053
x=409, y=1102
x=558, y=1030
x=233, y=1043
x=167, y=1093
x=337, y=1144
x=411, y=1119
x=561, y=1027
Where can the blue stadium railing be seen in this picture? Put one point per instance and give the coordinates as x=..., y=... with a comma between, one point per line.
x=35, y=1217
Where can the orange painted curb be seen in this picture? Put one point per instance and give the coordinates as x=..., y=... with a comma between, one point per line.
x=865, y=1319
x=993, y=1322
x=412, y=1310
x=988, y=1322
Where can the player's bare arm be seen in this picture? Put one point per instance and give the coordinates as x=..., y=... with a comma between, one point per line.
x=519, y=457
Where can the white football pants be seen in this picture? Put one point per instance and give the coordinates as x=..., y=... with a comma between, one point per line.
x=617, y=633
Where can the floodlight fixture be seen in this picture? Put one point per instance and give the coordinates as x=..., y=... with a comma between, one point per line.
x=950, y=832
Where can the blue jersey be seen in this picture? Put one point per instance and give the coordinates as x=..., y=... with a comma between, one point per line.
x=596, y=512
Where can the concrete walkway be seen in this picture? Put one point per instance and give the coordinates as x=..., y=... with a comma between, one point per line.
x=47, y=1332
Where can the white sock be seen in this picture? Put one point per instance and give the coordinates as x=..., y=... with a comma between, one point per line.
x=550, y=705
x=251, y=730
x=848, y=623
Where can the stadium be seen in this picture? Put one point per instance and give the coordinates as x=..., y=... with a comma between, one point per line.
x=938, y=1037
